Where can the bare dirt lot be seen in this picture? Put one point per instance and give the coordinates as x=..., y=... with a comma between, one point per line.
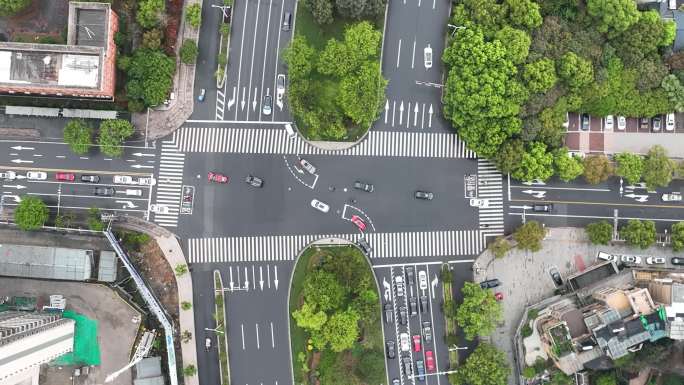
x=41, y=19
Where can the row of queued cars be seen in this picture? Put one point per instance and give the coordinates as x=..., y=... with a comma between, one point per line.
x=406, y=342
x=85, y=178
x=620, y=123
x=633, y=260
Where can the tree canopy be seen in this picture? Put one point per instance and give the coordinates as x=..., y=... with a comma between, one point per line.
x=150, y=76
x=600, y=233
x=639, y=233
x=629, y=166
x=485, y=366
x=568, y=167
x=479, y=313
x=31, y=213
x=113, y=133
x=78, y=135
x=597, y=169
x=658, y=168
x=677, y=236
x=193, y=15
x=613, y=16
x=188, y=51
x=530, y=235
x=149, y=12
x=535, y=163
x=10, y=7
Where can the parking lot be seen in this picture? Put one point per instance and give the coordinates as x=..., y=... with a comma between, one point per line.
x=633, y=125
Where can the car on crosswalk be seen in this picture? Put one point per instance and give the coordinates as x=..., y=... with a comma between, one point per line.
x=159, y=209
x=123, y=179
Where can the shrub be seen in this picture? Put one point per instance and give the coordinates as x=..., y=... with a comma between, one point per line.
x=188, y=51
x=193, y=15
x=31, y=213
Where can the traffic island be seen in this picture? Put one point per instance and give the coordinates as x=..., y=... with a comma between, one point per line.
x=221, y=329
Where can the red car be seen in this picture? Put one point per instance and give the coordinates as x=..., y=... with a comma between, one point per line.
x=429, y=361
x=416, y=343
x=65, y=176
x=358, y=222
x=216, y=177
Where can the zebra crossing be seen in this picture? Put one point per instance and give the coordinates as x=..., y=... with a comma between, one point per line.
x=276, y=141
x=287, y=247
x=490, y=187
x=169, y=184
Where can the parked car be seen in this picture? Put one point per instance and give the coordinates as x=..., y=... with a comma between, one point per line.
x=159, y=209
x=427, y=331
x=363, y=186
x=584, y=125
x=65, y=176
x=364, y=246
x=608, y=123
x=8, y=175
x=490, y=283
x=358, y=222
x=555, y=275
x=621, y=123
x=410, y=274
x=399, y=285
x=146, y=181
x=416, y=343
x=422, y=280
x=320, y=206
x=606, y=257
x=430, y=361
x=36, y=175
x=632, y=259
x=201, y=95
x=390, y=349
x=217, y=177
x=267, y=105
x=388, y=312
x=403, y=315
x=655, y=260
x=413, y=306
x=408, y=367
x=542, y=208
x=644, y=124
x=427, y=56
x=90, y=178
x=395, y=381
x=123, y=179
x=307, y=166
x=135, y=192
x=420, y=368
x=104, y=191
x=672, y=197
x=656, y=124
x=677, y=261
x=424, y=303
x=670, y=122
x=404, y=343
x=254, y=181
x=426, y=195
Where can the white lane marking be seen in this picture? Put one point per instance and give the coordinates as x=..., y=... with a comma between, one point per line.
x=263, y=70
x=272, y=337
x=394, y=108
x=242, y=44
x=251, y=69
x=399, y=52
x=564, y=188
x=275, y=71
x=257, y=336
x=422, y=118
x=242, y=329
x=528, y=214
x=413, y=56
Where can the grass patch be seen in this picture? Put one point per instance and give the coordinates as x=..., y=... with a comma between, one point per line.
x=318, y=35
x=221, y=326
x=364, y=362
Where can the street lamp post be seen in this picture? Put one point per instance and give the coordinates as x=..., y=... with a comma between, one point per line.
x=455, y=28
x=214, y=330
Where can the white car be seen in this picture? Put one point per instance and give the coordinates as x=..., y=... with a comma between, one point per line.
x=481, y=203
x=655, y=260
x=147, y=181
x=320, y=206
x=621, y=123
x=670, y=122
x=404, y=343
x=399, y=285
x=123, y=179
x=307, y=166
x=606, y=257
x=422, y=280
x=672, y=197
x=609, y=122
x=633, y=259
x=9, y=175
x=159, y=209
x=427, y=53
x=36, y=175
x=280, y=87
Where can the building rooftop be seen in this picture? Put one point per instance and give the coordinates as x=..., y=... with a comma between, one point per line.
x=591, y=275
x=45, y=262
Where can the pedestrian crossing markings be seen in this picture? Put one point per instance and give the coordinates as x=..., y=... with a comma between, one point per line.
x=169, y=184
x=490, y=187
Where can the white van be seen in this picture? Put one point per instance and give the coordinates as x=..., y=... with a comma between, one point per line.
x=606, y=257
x=133, y=192
x=290, y=131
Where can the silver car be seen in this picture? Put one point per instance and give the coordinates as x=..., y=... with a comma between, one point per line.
x=307, y=166
x=320, y=206
x=268, y=105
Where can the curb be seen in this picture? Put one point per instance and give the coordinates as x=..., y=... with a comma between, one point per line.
x=217, y=273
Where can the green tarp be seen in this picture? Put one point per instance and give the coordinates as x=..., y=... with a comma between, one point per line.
x=86, y=349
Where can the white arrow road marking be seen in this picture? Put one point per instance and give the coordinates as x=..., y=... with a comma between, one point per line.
x=242, y=103
x=141, y=154
x=388, y=290
x=254, y=103
x=21, y=161
x=401, y=113
x=268, y=275
x=533, y=192
x=127, y=204
x=386, y=110
x=231, y=278
x=22, y=148
x=415, y=115
x=275, y=273
x=246, y=279
x=261, y=278
x=16, y=186
x=535, y=182
x=430, y=111
x=521, y=207
x=231, y=102
x=141, y=166
x=434, y=283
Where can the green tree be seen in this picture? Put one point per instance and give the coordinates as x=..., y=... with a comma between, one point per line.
x=516, y=42
x=361, y=96
x=151, y=40
x=323, y=291
x=356, y=9
x=94, y=220
x=560, y=378
x=639, y=233
x=189, y=370
x=482, y=97
x=148, y=13
x=10, y=7
x=642, y=39
x=597, y=168
x=341, y=330
x=31, y=213
x=366, y=304
x=113, y=133
x=479, y=313
x=530, y=235
x=193, y=15
x=568, y=167
x=629, y=166
x=181, y=269
x=78, y=135
x=371, y=367
x=299, y=57
x=188, y=51
x=575, y=71
x=600, y=233
x=524, y=13
x=150, y=76
x=606, y=379
x=613, y=16
x=500, y=247
x=322, y=10
x=308, y=318
x=540, y=75
x=536, y=164
x=486, y=366
x=509, y=155
x=675, y=92
x=658, y=168
x=677, y=236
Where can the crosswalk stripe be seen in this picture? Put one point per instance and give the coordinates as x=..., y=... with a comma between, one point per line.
x=287, y=247
x=169, y=183
x=276, y=141
x=490, y=186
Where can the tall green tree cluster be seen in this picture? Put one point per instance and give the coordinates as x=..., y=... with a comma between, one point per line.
x=485, y=366
x=112, y=135
x=149, y=13
x=339, y=87
x=149, y=76
x=479, y=313
x=324, y=11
